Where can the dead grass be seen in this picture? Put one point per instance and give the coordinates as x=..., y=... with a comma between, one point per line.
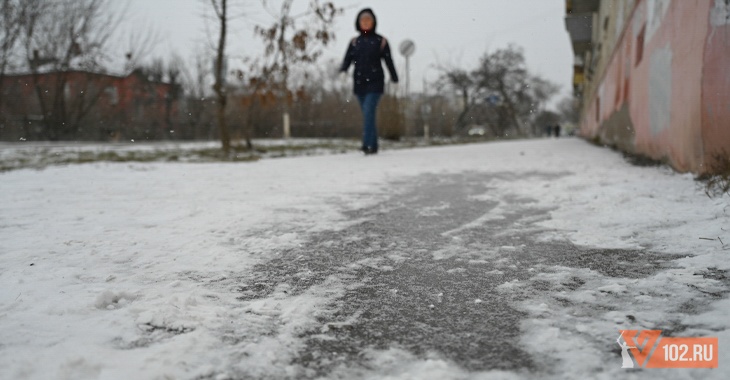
x=41, y=157
x=717, y=179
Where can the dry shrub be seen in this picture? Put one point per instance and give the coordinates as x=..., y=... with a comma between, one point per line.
x=717, y=178
x=391, y=120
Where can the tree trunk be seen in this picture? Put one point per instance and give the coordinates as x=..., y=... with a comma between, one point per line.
x=48, y=130
x=286, y=131
x=219, y=86
x=510, y=109
x=461, y=120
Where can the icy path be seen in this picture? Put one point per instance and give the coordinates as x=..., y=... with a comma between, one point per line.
x=508, y=260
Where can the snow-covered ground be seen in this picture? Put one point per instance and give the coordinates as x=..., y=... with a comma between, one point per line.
x=137, y=270
x=39, y=155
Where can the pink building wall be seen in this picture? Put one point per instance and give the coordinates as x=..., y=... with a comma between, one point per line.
x=716, y=82
x=665, y=92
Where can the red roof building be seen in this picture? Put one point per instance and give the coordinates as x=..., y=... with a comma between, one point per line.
x=79, y=105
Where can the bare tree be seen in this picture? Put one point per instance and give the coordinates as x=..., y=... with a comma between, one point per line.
x=460, y=81
x=293, y=40
x=569, y=110
x=174, y=78
x=504, y=73
x=221, y=10
x=194, y=80
x=157, y=71
x=154, y=71
x=61, y=36
x=501, y=89
x=12, y=13
x=139, y=43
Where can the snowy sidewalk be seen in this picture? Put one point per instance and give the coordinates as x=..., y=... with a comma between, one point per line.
x=506, y=260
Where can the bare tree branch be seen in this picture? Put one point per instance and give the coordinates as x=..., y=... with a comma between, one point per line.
x=61, y=36
x=501, y=75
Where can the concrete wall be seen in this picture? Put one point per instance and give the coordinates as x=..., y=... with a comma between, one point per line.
x=661, y=84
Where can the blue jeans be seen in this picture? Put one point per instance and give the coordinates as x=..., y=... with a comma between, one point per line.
x=369, y=106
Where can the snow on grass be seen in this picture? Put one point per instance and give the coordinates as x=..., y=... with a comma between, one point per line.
x=38, y=155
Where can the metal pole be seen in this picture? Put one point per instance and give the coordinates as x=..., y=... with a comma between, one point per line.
x=287, y=127
x=408, y=76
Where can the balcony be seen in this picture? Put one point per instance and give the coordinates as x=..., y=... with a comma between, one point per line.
x=580, y=28
x=581, y=6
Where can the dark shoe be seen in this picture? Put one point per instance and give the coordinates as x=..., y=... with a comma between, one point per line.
x=369, y=151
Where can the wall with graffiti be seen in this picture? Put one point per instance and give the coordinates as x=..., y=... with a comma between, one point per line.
x=664, y=88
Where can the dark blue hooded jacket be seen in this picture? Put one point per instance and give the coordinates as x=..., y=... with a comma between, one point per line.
x=366, y=51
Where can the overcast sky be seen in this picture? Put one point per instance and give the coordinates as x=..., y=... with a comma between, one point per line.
x=455, y=32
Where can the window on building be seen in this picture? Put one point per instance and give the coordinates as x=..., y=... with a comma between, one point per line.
x=113, y=95
x=640, y=45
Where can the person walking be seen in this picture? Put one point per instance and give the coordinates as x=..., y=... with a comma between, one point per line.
x=367, y=51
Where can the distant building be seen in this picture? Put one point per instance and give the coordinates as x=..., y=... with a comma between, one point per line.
x=653, y=77
x=82, y=105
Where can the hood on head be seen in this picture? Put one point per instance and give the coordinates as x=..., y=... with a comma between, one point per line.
x=357, y=20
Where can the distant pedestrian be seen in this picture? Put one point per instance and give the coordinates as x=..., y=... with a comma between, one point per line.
x=556, y=130
x=366, y=51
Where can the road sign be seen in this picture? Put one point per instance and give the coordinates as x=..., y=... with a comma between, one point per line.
x=407, y=48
